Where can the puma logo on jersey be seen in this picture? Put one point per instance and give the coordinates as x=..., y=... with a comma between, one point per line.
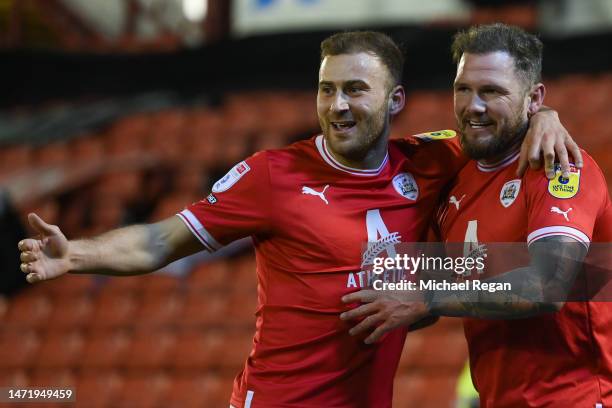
x=557, y=210
x=320, y=194
x=453, y=200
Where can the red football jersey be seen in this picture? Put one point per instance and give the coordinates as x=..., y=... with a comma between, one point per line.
x=554, y=360
x=310, y=217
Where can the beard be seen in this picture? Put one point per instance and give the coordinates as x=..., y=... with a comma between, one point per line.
x=502, y=142
x=369, y=133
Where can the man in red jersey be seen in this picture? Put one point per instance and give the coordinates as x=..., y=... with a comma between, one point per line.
x=528, y=347
x=309, y=208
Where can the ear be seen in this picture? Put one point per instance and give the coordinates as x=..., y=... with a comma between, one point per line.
x=536, y=99
x=397, y=100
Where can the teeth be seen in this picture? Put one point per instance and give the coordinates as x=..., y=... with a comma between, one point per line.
x=342, y=125
x=479, y=124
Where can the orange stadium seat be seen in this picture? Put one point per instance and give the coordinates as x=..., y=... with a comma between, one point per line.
x=87, y=148
x=98, y=389
x=17, y=377
x=128, y=135
x=210, y=276
x=29, y=309
x=114, y=309
x=196, y=350
x=18, y=348
x=142, y=390
x=53, y=154
x=15, y=159
x=60, y=350
x=104, y=350
x=72, y=311
x=188, y=391
x=159, y=309
x=149, y=349
x=74, y=286
x=204, y=308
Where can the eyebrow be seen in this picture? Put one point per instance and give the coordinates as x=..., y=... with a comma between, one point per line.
x=347, y=83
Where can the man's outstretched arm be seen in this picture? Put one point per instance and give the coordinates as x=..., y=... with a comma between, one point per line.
x=126, y=251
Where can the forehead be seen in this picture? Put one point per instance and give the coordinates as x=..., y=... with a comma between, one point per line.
x=494, y=67
x=349, y=67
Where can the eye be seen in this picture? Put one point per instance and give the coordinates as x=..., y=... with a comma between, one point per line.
x=326, y=90
x=461, y=89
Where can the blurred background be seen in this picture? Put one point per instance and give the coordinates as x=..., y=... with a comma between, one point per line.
x=115, y=112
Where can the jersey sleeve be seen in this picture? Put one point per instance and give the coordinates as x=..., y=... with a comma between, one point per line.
x=440, y=152
x=237, y=207
x=566, y=207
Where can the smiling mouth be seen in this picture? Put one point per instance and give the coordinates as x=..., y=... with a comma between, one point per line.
x=479, y=124
x=343, y=126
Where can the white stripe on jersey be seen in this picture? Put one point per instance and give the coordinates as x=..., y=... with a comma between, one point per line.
x=249, y=399
x=559, y=230
x=199, y=231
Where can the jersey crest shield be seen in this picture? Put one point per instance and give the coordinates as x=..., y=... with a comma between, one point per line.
x=509, y=192
x=406, y=186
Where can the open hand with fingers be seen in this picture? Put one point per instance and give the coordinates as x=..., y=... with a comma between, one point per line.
x=383, y=311
x=548, y=138
x=44, y=257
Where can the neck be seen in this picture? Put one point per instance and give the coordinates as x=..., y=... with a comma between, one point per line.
x=493, y=160
x=372, y=159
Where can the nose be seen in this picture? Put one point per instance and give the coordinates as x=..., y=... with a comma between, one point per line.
x=339, y=103
x=476, y=104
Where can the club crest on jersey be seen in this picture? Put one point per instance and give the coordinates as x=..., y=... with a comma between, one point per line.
x=509, y=192
x=438, y=135
x=406, y=186
x=231, y=177
x=562, y=187
x=211, y=198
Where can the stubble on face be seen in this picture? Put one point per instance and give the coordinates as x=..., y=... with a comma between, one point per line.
x=362, y=79
x=490, y=105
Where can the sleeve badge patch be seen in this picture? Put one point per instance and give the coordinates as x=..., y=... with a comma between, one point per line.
x=438, y=135
x=509, y=192
x=562, y=187
x=231, y=177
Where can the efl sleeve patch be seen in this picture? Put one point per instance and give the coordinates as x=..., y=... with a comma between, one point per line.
x=231, y=177
x=437, y=135
x=562, y=187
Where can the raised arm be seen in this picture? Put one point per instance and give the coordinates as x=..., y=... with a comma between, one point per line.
x=133, y=250
x=548, y=138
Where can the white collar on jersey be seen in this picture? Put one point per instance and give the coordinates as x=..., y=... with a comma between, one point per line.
x=329, y=159
x=506, y=161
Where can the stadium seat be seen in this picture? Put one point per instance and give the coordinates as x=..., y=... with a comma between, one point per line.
x=18, y=348
x=114, y=309
x=104, y=350
x=87, y=149
x=196, y=350
x=60, y=349
x=187, y=391
x=98, y=389
x=29, y=309
x=53, y=154
x=205, y=309
x=210, y=276
x=15, y=159
x=149, y=349
x=159, y=309
x=71, y=311
x=142, y=390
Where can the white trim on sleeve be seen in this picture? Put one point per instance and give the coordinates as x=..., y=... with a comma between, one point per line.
x=559, y=230
x=199, y=231
x=249, y=399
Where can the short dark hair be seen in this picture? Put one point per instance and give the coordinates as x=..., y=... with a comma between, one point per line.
x=525, y=48
x=372, y=42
